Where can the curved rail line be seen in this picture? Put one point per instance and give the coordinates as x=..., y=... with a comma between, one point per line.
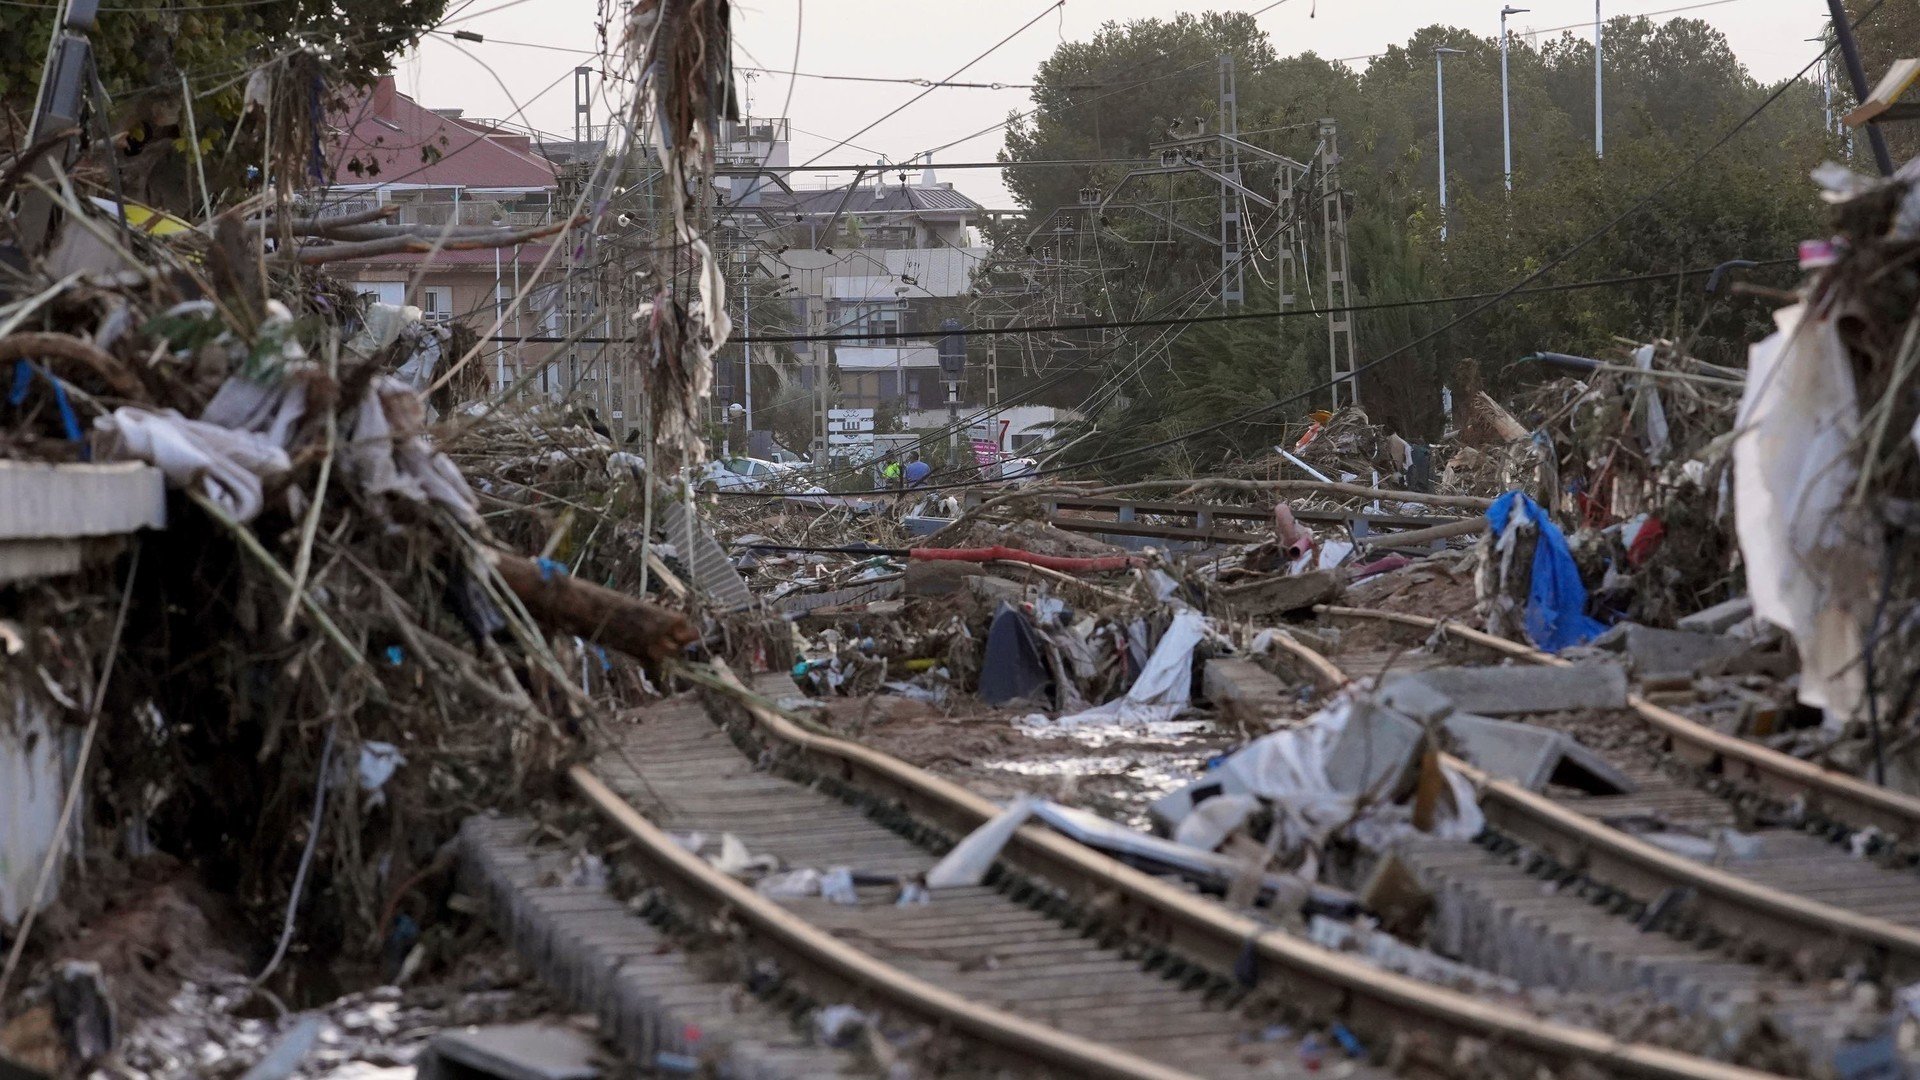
x=1377, y=1004
x=1741, y=908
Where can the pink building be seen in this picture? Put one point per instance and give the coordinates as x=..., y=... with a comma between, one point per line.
x=439, y=167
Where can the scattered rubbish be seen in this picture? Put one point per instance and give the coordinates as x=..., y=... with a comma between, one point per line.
x=836, y=887
x=1165, y=685
x=838, y=1025
x=287, y=1053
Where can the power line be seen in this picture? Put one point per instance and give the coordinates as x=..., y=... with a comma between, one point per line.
x=995, y=47
x=1192, y=320
x=939, y=84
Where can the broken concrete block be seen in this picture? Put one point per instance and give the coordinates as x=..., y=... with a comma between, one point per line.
x=1719, y=618
x=995, y=590
x=1532, y=756
x=1416, y=700
x=1506, y=691
x=939, y=577
x=1656, y=652
x=1375, y=752
x=531, y=1051
x=1232, y=680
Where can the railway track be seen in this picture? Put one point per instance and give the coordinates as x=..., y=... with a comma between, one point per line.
x=1789, y=905
x=1066, y=963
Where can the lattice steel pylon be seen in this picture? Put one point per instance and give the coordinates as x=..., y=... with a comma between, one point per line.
x=1333, y=225
x=1222, y=156
x=1233, y=236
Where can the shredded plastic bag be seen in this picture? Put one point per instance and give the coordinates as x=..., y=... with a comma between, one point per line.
x=970, y=859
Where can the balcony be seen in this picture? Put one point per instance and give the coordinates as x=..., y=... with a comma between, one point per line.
x=470, y=212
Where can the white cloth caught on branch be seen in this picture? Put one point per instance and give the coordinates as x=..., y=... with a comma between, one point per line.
x=227, y=465
x=1812, y=562
x=389, y=453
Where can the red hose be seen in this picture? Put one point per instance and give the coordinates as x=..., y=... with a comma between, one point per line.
x=1051, y=562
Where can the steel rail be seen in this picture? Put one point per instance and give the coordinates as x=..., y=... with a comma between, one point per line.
x=1378, y=1004
x=1835, y=795
x=1735, y=906
x=674, y=867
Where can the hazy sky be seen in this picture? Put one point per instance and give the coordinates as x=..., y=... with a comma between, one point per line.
x=930, y=38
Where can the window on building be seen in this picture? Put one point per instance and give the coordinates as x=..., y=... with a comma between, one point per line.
x=436, y=303
x=385, y=292
x=878, y=318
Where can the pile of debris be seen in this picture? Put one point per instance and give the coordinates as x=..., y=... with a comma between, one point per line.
x=327, y=613
x=1827, y=474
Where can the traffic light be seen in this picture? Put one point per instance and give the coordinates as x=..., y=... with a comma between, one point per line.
x=953, y=350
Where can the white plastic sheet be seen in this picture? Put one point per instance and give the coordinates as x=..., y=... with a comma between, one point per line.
x=1165, y=686
x=1805, y=553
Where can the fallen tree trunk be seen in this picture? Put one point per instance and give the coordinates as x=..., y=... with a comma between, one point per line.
x=561, y=602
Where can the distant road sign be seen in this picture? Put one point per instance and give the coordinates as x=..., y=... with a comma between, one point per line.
x=849, y=414
x=845, y=438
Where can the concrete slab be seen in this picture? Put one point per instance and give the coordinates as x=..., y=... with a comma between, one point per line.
x=1234, y=680
x=1719, y=618
x=1656, y=653
x=1507, y=691
x=1416, y=700
x=1533, y=757
x=1376, y=752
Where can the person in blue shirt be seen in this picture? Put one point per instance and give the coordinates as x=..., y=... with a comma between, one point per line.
x=916, y=470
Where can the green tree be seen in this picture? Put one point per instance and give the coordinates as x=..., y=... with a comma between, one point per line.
x=157, y=57
x=1672, y=89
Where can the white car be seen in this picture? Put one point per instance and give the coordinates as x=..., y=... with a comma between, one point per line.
x=739, y=474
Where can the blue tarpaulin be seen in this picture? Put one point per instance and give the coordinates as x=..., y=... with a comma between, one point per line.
x=1557, y=599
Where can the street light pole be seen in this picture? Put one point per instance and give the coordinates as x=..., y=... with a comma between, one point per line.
x=1506, y=119
x=1440, y=53
x=1599, y=133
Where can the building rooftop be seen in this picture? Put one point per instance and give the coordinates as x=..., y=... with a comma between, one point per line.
x=934, y=199
x=396, y=140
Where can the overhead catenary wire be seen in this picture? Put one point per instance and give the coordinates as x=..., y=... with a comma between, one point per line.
x=1188, y=320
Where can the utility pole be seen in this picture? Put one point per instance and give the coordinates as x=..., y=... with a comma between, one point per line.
x=1506, y=114
x=1233, y=273
x=1857, y=75
x=1599, y=124
x=746, y=333
x=1440, y=53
